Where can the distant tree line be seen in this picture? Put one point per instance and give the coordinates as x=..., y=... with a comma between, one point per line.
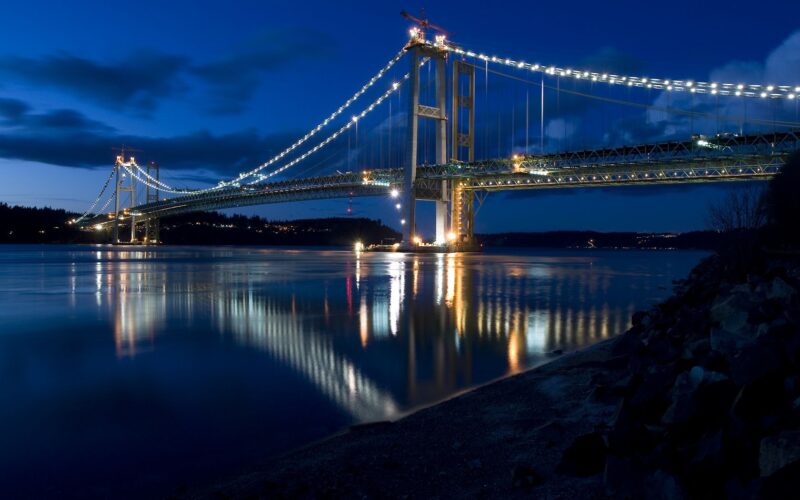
x=759, y=221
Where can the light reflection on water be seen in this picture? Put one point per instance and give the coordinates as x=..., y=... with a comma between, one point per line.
x=213, y=358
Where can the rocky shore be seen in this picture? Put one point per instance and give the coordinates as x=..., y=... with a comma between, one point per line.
x=699, y=399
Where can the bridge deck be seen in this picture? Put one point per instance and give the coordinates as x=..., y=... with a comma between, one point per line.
x=726, y=158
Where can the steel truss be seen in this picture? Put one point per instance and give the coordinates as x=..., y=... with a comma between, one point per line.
x=717, y=159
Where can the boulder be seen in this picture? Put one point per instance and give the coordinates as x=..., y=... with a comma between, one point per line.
x=778, y=451
x=662, y=485
x=780, y=290
x=730, y=311
x=682, y=406
x=729, y=343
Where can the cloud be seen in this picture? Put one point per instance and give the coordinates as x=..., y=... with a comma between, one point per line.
x=730, y=114
x=12, y=109
x=16, y=114
x=136, y=82
x=235, y=78
x=141, y=80
x=68, y=138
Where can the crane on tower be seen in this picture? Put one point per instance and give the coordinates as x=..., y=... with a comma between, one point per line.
x=422, y=25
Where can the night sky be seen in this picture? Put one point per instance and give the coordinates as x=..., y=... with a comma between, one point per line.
x=209, y=89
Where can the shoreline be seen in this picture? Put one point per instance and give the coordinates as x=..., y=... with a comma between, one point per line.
x=699, y=398
x=387, y=458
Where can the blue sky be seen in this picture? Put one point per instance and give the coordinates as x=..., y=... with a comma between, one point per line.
x=209, y=89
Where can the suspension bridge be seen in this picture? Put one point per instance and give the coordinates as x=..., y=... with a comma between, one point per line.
x=455, y=181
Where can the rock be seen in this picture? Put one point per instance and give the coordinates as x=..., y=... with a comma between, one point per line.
x=780, y=290
x=525, y=477
x=696, y=375
x=779, y=451
x=682, y=406
x=586, y=456
x=730, y=312
x=662, y=485
x=728, y=343
x=700, y=398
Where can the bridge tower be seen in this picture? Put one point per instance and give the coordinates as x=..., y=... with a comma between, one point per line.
x=123, y=185
x=418, y=50
x=462, y=202
x=152, y=234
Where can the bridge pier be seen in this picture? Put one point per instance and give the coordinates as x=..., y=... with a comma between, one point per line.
x=122, y=186
x=462, y=213
x=438, y=113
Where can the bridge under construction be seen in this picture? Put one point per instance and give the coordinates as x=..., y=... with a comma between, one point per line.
x=455, y=181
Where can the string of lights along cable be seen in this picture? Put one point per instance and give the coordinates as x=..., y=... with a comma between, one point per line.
x=138, y=173
x=344, y=128
x=310, y=134
x=97, y=200
x=257, y=175
x=668, y=84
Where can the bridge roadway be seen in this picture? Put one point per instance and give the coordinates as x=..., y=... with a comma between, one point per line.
x=714, y=159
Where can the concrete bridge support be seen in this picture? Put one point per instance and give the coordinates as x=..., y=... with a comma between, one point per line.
x=416, y=111
x=462, y=121
x=123, y=184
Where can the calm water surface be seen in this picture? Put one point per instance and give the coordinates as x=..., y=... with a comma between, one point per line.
x=131, y=371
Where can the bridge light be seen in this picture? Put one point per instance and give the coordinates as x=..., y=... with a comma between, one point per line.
x=402, y=222
x=770, y=88
x=790, y=96
x=98, y=227
x=451, y=236
x=713, y=91
x=359, y=246
x=417, y=240
x=740, y=86
x=355, y=119
x=395, y=193
x=397, y=206
x=738, y=92
x=763, y=94
x=713, y=85
x=797, y=89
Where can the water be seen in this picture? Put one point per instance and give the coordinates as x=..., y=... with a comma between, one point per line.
x=138, y=371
